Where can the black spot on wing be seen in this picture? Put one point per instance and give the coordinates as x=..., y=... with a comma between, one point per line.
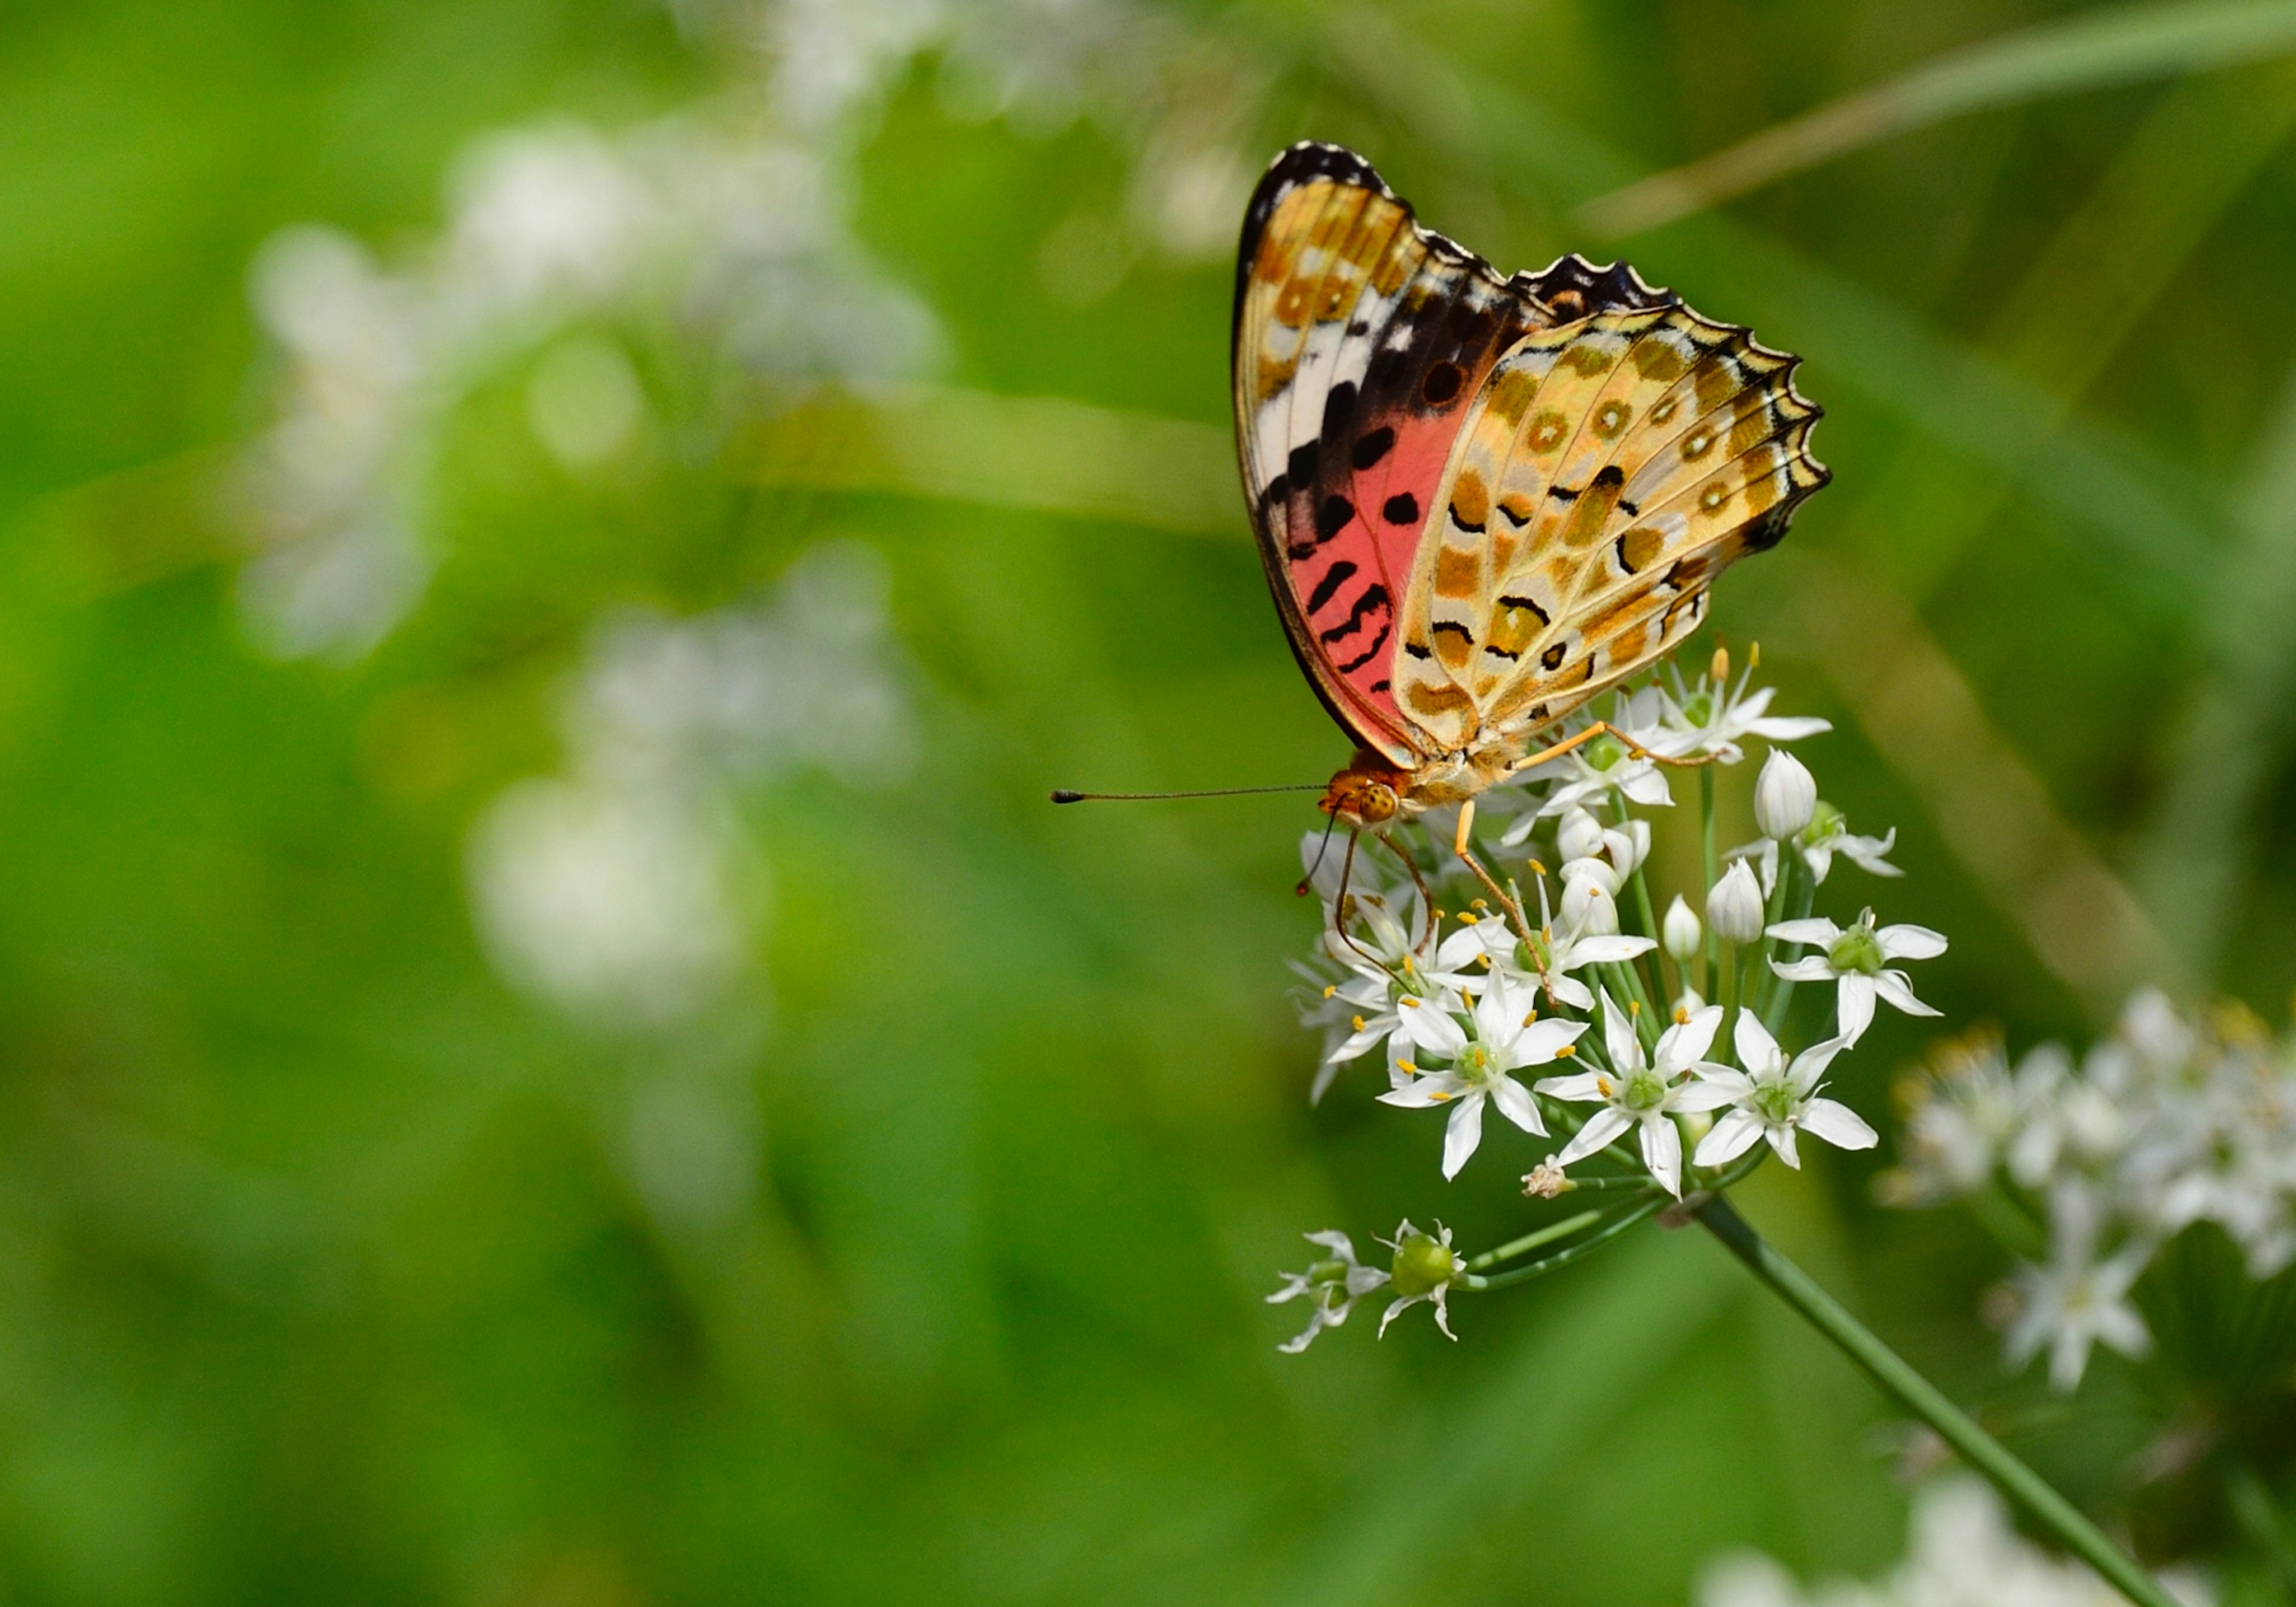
x=1402, y=508
x=1374, y=598
x=1334, y=578
x=1332, y=515
x=1370, y=448
x=1510, y=601
x=1367, y=655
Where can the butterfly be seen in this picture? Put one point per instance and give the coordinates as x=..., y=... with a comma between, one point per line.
x=1482, y=501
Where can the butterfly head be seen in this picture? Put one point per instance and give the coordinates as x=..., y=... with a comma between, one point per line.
x=1369, y=792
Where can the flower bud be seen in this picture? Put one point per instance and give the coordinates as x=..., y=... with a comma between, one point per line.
x=1629, y=846
x=1681, y=931
x=1785, y=796
x=1422, y=1265
x=1580, y=835
x=1590, y=904
x=1734, y=908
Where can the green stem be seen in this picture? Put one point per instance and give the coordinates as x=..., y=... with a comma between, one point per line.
x=1713, y=872
x=1774, y=1013
x=1584, y=1247
x=1980, y=1449
x=1532, y=1241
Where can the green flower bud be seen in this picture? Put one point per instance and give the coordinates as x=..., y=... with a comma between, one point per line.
x=1424, y=1264
x=1855, y=950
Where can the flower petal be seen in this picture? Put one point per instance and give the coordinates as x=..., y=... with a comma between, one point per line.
x=1727, y=1139
x=1817, y=929
x=1662, y=1152
x=1601, y=1128
x=1463, y=1134
x=1853, y=1007
x=1838, y=1125
x=1758, y=1051
x=1909, y=943
x=1516, y=1104
x=1897, y=989
x=1605, y=951
x=1428, y=1024
x=1809, y=968
x=1580, y=1088
x=1688, y=1041
x=1701, y=1096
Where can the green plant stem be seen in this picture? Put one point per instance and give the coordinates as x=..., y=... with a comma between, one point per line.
x=1980, y=1449
x=1805, y=894
x=1713, y=871
x=1584, y=1247
x=1532, y=1241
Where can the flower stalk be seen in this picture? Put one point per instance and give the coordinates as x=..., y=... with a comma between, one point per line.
x=1956, y=1427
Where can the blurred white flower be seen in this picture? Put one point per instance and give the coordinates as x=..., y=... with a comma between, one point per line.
x=2077, y=1301
x=1964, y=1551
x=616, y=907
x=1331, y=1287
x=624, y=891
x=1857, y=959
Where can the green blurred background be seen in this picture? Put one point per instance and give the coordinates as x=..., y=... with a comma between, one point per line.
x=551, y=1050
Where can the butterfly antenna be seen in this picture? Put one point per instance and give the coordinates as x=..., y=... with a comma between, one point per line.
x=1309, y=880
x=1062, y=795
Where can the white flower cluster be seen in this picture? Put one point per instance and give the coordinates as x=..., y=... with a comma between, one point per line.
x=1964, y=1553
x=2171, y=1119
x=1492, y=999
x=625, y=891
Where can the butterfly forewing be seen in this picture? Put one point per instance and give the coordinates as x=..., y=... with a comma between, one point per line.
x=1361, y=342
x=1481, y=500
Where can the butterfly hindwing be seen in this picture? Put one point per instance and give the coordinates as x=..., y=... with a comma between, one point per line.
x=1362, y=341
x=1610, y=468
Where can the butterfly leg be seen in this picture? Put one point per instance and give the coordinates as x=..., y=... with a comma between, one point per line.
x=1461, y=845
x=1604, y=728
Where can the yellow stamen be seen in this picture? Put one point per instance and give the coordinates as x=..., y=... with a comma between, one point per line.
x=1440, y=1097
x=1682, y=1015
x=1721, y=665
x=1358, y=1020
x=1635, y=1008
x=1481, y=904
x=1603, y=1086
x=1754, y=655
x=1406, y=1067
x=1536, y=869
x=1530, y=1018
x=1333, y=988
x=1410, y=1004
x=1566, y=1052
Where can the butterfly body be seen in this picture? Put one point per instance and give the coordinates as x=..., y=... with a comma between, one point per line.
x=1481, y=501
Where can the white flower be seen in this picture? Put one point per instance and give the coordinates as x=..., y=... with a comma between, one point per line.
x=1681, y=930
x=1733, y=906
x=1772, y=1099
x=1590, y=900
x=1827, y=834
x=1425, y=1268
x=1332, y=1286
x=1386, y=918
x=2076, y=1301
x=1508, y=1036
x=1785, y=796
x=2060, y=1116
x=1713, y=717
x=1587, y=773
x=1857, y=959
x=1642, y=1093
x=1577, y=947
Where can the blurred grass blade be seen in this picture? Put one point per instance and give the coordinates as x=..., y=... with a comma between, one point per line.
x=1042, y=454
x=2091, y=50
